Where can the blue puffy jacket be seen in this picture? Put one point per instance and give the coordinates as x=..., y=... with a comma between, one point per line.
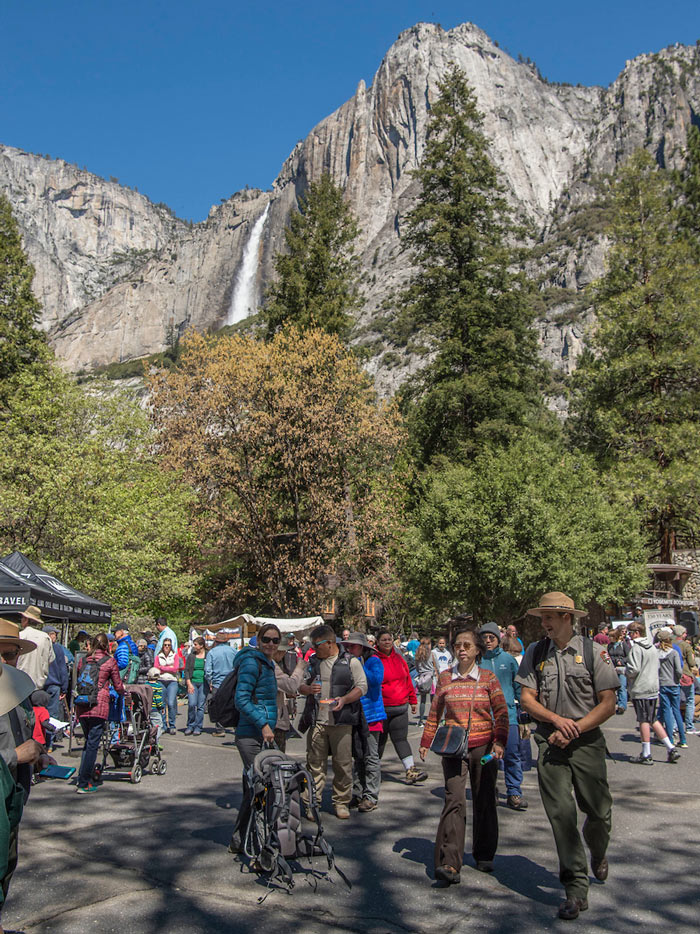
x=372, y=702
x=125, y=647
x=256, y=692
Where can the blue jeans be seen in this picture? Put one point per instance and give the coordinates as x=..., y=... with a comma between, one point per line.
x=512, y=763
x=54, y=704
x=622, y=690
x=670, y=710
x=93, y=728
x=170, y=692
x=195, y=708
x=688, y=695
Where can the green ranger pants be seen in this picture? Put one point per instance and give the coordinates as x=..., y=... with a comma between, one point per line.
x=578, y=772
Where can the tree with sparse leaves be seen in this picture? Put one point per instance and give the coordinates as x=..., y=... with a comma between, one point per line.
x=21, y=343
x=635, y=400
x=467, y=297
x=316, y=276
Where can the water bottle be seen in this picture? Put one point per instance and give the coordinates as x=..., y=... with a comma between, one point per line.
x=486, y=759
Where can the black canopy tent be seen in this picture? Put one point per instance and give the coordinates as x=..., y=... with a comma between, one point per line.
x=24, y=583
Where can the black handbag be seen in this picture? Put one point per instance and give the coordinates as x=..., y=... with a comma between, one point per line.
x=453, y=741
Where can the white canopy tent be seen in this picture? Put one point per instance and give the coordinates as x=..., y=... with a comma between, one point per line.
x=239, y=625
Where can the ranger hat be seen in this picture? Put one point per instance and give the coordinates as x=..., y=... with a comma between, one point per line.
x=556, y=602
x=15, y=686
x=9, y=632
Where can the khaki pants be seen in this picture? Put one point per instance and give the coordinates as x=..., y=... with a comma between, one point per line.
x=336, y=742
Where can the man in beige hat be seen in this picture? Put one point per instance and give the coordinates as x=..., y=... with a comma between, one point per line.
x=568, y=685
x=18, y=751
x=36, y=664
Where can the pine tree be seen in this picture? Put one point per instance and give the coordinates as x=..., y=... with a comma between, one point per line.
x=636, y=393
x=483, y=382
x=689, y=212
x=20, y=341
x=316, y=276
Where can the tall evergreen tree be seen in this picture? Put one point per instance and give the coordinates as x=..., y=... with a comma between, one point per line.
x=483, y=382
x=636, y=393
x=689, y=212
x=316, y=276
x=21, y=343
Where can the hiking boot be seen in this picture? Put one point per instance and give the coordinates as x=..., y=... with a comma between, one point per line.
x=599, y=868
x=571, y=907
x=414, y=775
x=354, y=802
x=516, y=803
x=342, y=812
x=641, y=759
x=673, y=755
x=366, y=805
x=484, y=865
x=447, y=874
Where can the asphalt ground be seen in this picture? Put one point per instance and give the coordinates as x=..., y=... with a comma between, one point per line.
x=153, y=857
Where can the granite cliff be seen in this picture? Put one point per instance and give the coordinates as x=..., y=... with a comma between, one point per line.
x=119, y=277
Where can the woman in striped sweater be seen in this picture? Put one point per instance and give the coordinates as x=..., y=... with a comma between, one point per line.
x=462, y=688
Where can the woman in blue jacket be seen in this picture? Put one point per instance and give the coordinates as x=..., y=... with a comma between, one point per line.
x=368, y=771
x=256, y=694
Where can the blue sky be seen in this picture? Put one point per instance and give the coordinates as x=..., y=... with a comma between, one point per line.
x=191, y=101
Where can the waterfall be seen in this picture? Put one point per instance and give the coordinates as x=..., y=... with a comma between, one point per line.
x=243, y=299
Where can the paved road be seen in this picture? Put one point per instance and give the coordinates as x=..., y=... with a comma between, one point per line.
x=153, y=857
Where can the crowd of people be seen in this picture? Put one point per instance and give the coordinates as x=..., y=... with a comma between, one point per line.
x=477, y=700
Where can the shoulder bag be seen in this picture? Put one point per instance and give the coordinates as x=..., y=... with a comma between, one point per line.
x=453, y=741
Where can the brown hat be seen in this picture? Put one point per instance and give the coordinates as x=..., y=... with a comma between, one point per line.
x=558, y=603
x=33, y=612
x=9, y=632
x=664, y=635
x=222, y=636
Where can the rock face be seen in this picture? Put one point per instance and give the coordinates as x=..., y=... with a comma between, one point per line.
x=119, y=277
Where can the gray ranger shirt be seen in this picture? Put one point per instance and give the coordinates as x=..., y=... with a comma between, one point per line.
x=565, y=685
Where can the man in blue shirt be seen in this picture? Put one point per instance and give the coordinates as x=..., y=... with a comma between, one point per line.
x=505, y=667
x=218, y=664
x=57, y=681
x=164, y=632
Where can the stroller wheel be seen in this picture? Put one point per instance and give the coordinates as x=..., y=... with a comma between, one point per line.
x=97, y=773
x=136, y=774
x=162, y=767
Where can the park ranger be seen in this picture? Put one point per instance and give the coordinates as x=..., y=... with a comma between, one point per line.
x=569, y=703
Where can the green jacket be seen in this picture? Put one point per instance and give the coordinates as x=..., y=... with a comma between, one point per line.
x=10, y=815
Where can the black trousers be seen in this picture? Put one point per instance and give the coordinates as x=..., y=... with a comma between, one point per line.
x=449, y=843
x=396, y=727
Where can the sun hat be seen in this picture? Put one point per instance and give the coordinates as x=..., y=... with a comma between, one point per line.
x=153, y=673
x=32, y=612
x=222, y=636
x=9, y=632
x=664, y=635
x=557, y=602
x=357, y=638
x=15, y=686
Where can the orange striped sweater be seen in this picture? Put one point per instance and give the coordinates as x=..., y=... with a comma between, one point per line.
x=453, y=700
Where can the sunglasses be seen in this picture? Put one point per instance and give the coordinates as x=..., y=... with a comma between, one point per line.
x=275, y=640
x=322, y=642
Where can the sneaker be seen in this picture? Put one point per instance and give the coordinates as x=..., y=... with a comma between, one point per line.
x=673, y=755
x=189, y=732
x=619, y=711
x=172, y=731
x=219, y=733
x=447, y=874
x=366, y=805
x=87, y=789
x=682, y=745
x=641, y=759
x=414, y=775
x=484, y=865
x=342, y=812
x=196, y=732
x=516, y=803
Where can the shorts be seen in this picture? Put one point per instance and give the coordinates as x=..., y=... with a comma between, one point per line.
x=645, y=708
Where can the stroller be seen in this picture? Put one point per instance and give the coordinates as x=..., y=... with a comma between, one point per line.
x=268, y=830
x=134, y=749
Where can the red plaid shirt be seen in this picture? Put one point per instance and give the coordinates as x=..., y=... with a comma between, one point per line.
x=108, y=671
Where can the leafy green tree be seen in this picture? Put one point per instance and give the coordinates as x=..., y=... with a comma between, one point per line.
x=483, y=383
x=316, y=278
x=636, y=394
x=490, y=536
x=21, y=343
x=81, y=493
